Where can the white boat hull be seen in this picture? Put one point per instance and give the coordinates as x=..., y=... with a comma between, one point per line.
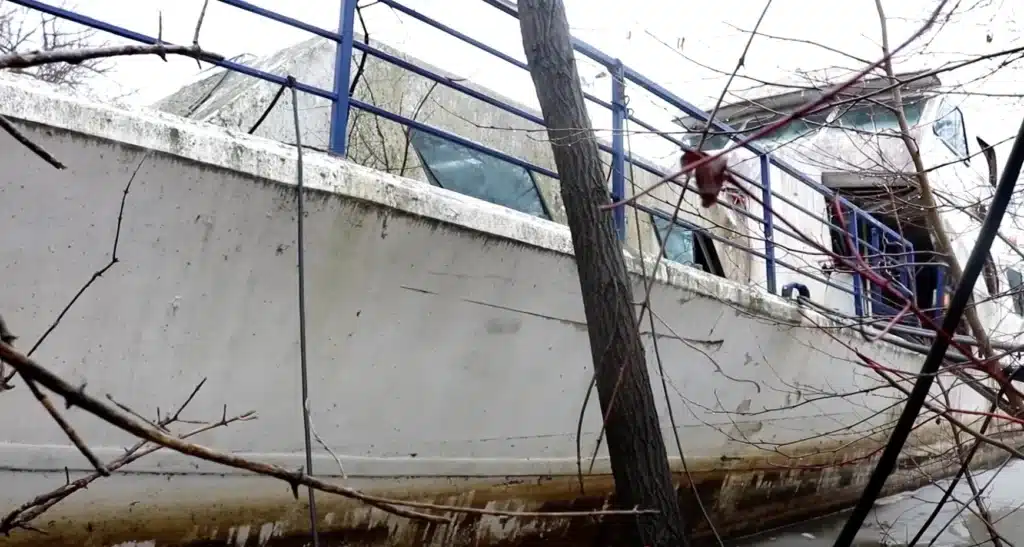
x=448, y=352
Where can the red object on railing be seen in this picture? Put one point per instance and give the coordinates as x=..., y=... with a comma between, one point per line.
x=710, y=176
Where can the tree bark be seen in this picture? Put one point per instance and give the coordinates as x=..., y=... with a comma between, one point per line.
x=634, y=439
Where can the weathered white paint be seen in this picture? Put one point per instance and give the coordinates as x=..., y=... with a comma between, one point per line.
x=446, y=335
x=236, y=101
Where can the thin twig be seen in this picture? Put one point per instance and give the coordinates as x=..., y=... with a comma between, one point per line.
x=199, y=26
x=69, y=431
x=27, y=143
x=98, y=273
x=21, y=516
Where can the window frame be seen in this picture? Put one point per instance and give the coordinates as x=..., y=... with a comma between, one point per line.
x=703, y=244
x=916, y=103
x=435, y=181
x=966, y=157
x=818, y=120
x=1016, y=291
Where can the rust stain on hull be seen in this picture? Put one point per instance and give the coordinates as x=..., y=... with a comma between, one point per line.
x=744, y=496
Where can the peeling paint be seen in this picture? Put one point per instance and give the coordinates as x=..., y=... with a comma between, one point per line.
x=490, y=423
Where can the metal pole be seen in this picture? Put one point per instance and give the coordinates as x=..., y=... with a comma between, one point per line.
x=300, y=245
x=769, y=231
x=342, y=78
x=618, y=147
x=858, y=285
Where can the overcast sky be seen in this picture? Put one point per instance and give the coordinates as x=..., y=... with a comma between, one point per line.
x=645, y=34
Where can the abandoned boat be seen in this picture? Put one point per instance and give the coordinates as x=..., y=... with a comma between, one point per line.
x=448, y=351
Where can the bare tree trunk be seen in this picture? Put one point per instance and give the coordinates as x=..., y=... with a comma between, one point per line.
x=634, y=439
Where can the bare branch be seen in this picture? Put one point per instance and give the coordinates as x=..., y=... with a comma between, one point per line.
x=126, y=422
x=29, y=511
x=35, y=148
x=75, y=56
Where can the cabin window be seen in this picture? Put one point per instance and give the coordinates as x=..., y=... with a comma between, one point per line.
x=799, y=128
x=951, y=131
x=1016, y=290
x=713, y=141
x=687, y=244
x=466, y=171
x=802, y=127
x=876, y=117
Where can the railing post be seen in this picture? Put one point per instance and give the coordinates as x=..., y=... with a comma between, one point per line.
x=342, y=79
x=618, y=75
x=878, y=264
x=907, y=271
x=858, y=288
x=769, y=231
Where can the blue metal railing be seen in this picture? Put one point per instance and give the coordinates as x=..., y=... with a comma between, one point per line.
x=876, y=248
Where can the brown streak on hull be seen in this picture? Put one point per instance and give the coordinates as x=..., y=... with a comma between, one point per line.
x=744, y=496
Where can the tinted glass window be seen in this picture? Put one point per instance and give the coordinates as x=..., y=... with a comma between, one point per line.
x=460, y=169
x=875, y=118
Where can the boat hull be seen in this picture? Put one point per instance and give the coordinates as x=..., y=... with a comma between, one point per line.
x=448, y=353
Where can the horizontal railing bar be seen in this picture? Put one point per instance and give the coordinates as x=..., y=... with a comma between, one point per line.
x=888, y=235
x=138, y=37
x=398, y=6
x=529, y=116
x=667, y=96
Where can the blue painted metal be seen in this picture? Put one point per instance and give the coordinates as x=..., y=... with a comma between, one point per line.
x=398, y=6
x=338, y=143
x=618, y=149
x=145, y=39
x=858, y=281
x=876, y=258
x=281, y=80
x=384, y=56
x=341, y=103
x=659, y=91
x=769, y=232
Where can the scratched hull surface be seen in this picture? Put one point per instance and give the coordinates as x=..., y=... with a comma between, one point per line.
x=448, y=349
x=239, y=510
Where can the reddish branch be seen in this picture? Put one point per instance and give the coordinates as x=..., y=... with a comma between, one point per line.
x=781, y=122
